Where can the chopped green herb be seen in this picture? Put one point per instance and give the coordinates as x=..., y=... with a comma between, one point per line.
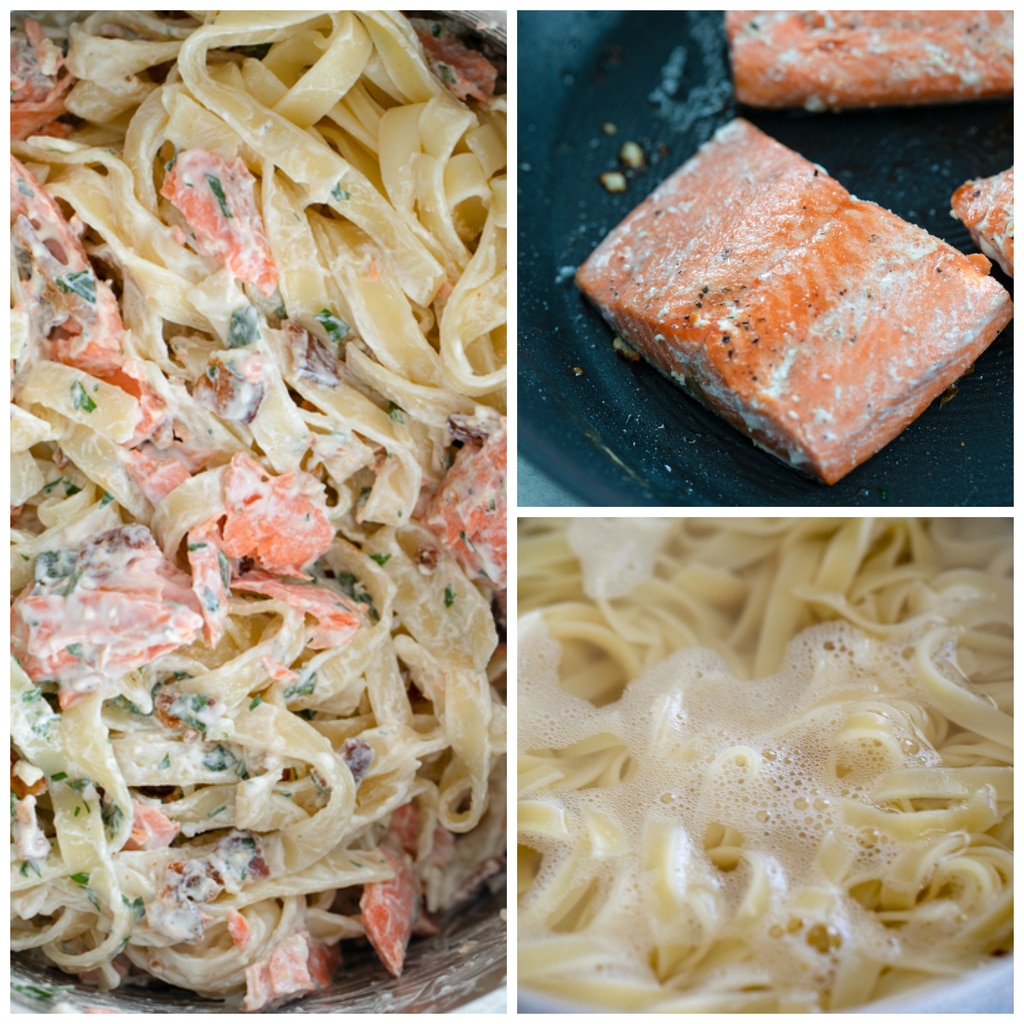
x=339, y=193
x=137, y=906
x=188, y=707
x=78, y=784
x=354, y=589
x=380, y=559
x=53, y=566
x=112, y=816
x=165, y=763
x=106, y=499
x=58, y=776
x=255, y=50
x=449, y=596
x=75, y=650
x=79, y=398
x=219, y=759
x=303, y=688
x=32, y=695
x=82, y=878
x=225, y=569
x=243, y=328
x=34, y=991
x=174, y=158
x=81, y=282
x=211, y=602
x=218, y=192
x=71, y=489
x=256, y=702
x=24, y=189
x=396, y=412
x=30, y=865
x=335, y=327
x=197, y=547
x=435, y=30
x=445, y=73
x=215, y=812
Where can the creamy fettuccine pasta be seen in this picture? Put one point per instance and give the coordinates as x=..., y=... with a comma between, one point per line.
x=764, y=765
x=258, y=458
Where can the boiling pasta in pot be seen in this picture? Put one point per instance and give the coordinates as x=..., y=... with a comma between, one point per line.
x=764, y=764
x=258, y=492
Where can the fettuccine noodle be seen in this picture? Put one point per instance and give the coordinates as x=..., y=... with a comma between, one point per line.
x=258, y=454
x=764, y=764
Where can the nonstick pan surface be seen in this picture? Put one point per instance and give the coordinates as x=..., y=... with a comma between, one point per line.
x=618, y=433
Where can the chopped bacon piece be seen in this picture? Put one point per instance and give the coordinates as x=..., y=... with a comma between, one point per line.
x=151, y=828
x=389, y=909
x=295, y=966
x=468, y=512
x=358, y=757
x=337, y=617
x=218, y=199
x=234, y=388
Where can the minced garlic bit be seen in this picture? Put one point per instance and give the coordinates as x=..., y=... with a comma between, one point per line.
x=625, y=350
x=632, y=155
x=613, y=181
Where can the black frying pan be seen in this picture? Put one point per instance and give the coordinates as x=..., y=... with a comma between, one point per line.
x=618, y=433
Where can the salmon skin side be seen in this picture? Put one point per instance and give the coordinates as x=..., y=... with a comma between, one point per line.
x=835, y=60
x=985, y=205
x=816, y=323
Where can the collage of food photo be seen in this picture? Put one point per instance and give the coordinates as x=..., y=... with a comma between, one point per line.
x=721, y=405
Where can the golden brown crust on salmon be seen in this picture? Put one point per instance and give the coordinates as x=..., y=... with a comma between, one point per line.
x=841, y=59
x=818, y=324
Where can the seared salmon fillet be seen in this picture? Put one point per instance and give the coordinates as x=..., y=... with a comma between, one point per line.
x=985, y=205
x=840, y=59
x=816, y=323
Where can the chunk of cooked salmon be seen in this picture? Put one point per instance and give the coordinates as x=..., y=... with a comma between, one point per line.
x=841, y=59
x=468, y=512
x=389, y=910
x=113, y=606
x=157, y=472
x=217, y=197
x=280, y=521
x=467, y=73
x=296, y=965
x=73, y=312
x=151, y=828
x=40, y=81
x=337, y=617
x=816, y=323
x=211, y=579
x=985, y=205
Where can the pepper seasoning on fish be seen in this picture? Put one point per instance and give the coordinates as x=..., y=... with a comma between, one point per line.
x=836, y=60
x=985, y=205
x=816, y=323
